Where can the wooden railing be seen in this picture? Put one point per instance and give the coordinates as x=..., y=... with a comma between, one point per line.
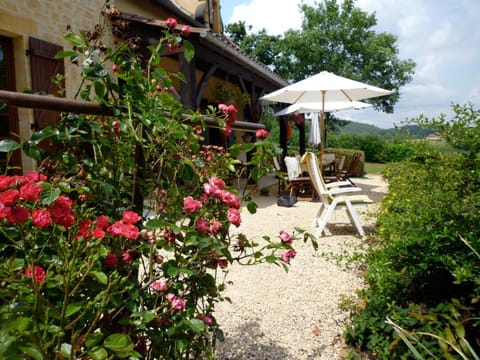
x=33, y=101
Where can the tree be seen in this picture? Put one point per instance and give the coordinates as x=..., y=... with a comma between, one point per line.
x=336, y=38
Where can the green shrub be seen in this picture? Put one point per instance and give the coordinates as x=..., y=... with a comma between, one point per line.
x=422, y=268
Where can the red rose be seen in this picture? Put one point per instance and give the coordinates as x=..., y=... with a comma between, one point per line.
x=5, y=182
x=111, y=260
x=4, y=211
x=38, y=274
x=102, y=222
x=19, y=214
x=34, y=176
x=30, y=191
x=9, y=197
x=41, y=218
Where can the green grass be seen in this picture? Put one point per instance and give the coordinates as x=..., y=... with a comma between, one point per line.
x=373, y=168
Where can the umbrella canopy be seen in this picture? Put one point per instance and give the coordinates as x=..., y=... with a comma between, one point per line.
x=317, y=107
x=325, y=87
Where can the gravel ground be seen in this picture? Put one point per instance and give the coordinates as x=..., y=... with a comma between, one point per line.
x=294, y=315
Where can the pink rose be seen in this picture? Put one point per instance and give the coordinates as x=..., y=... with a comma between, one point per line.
x=202, y=225
x=288, y=255
x=130, y=231
x=230, y=199
x=205, y=318
x=130, y=217
x=177, y=302
x=214, y=181
x=285, y=237
x=38, y=274
x=127, y=257
x=159, y=286
x=211, y=189
x=186, y=30
x=215, y=227
x=41, y=218
x=233, y=217
x=191, y=205
x=261, y=134
x=116, y=229
x=171, y=22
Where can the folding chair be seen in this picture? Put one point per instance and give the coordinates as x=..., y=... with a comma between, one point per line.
x=334, y=196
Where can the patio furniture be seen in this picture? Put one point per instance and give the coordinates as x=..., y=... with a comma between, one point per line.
x=298, y=185
x=334, y=196
x=343, y=173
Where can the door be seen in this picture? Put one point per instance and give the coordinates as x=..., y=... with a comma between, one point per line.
x=9, y=128
x=44, y=68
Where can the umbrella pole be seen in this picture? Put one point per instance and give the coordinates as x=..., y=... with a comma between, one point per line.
x=322, y=128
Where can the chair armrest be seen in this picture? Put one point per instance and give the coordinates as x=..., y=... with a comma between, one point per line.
x=338, y=184
x=343, y=190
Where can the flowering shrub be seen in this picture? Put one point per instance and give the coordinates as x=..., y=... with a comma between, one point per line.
x=119, y=247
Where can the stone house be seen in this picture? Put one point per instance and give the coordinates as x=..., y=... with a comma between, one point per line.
x=32, y=32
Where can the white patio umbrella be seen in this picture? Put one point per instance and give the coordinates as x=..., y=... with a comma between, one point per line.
x=325, y=87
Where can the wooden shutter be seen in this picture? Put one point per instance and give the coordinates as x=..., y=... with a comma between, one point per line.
x=44, y=67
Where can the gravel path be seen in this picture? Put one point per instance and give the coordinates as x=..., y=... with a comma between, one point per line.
x=294, y=315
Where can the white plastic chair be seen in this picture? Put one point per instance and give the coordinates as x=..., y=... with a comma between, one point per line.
x=334, y=196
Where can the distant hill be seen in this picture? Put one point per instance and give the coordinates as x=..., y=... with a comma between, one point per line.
x=367, y=129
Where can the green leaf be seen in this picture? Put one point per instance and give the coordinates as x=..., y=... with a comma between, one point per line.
x=100, y=89
x=100, y=276
x=34, y=353
x=119, y=343
x=155, y=223
x=252, y=207
x=93, y=340
x=196, y=325
x=49, y=195
x=73, y=309
x=76, y=40
x=64, y=54
x=179, y=346
x=188, y=50
x=187, y=171
x=8, y=145
x=66, y=350
x=98, y=353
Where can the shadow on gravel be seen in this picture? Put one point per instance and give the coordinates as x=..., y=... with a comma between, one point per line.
x=249, y=342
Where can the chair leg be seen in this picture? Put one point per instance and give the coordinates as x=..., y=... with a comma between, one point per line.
x=353, y=217
x=326, y=216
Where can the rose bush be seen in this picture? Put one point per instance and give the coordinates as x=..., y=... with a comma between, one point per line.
x=119, y=246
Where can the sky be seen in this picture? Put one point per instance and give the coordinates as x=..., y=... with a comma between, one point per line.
x=441, y=37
